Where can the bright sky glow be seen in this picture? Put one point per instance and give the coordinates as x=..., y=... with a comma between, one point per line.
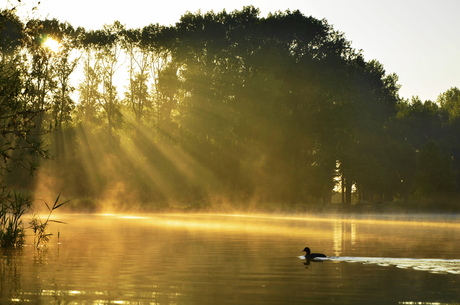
x=417, y=40
x=52, y=44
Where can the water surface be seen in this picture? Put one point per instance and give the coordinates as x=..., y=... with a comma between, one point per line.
x=231, y=259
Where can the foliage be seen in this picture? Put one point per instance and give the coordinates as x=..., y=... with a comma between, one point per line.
x=450, y=101
x=435, y=175
x=12, y=208
x=25, y=84
x=17, y=117
x=225, y=106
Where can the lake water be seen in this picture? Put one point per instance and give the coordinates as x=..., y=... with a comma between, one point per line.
x=231, y=259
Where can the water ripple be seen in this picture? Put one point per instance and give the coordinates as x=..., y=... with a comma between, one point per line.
x=443, y=266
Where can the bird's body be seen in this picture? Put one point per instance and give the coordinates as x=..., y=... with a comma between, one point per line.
x=309, y=255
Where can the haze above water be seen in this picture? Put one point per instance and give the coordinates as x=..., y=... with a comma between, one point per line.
x=231, y=259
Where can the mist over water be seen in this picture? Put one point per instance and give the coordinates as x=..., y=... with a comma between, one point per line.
x=236, y=259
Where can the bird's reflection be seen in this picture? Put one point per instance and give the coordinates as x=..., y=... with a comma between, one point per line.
x=309, y=260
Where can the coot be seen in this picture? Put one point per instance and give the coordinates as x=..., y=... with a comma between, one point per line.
x=309, y=255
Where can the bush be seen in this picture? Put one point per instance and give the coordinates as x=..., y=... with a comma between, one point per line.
x=12, y=208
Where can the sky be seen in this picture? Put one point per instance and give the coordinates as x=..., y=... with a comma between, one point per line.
x=418, y=40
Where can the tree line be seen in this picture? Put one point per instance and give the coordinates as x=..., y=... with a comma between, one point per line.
x=220, y=107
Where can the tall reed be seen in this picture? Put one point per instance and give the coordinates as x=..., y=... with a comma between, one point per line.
x=39, y=226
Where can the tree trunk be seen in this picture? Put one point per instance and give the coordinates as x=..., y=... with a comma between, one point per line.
x=347, y=190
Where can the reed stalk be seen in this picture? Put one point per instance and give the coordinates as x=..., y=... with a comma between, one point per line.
x=41, y=237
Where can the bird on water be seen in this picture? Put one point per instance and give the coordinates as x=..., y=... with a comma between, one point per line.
x=309, y=255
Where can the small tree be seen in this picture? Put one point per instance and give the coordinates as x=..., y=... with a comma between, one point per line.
x=20, y=135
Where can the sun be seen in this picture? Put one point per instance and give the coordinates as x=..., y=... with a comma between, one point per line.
x=52, y=44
